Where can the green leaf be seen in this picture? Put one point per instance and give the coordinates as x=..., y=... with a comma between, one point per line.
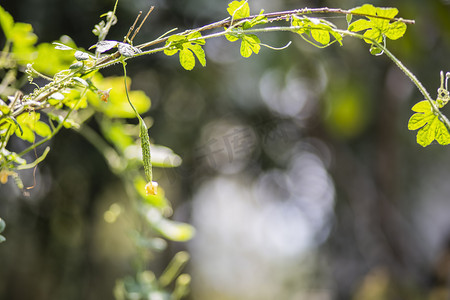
x=377, y=28
x=116, y=105
x=250, y=44
x=431, y=127
x=187, y=46
x=260, y=19
x=23, y=40
x=302, y=23
x=239, y=9
x=387, y=12
x=321, y=36
x=25, y=134
x=6, y=22
x=117, y=133
x=374, y=50
x=68, y=123
x=366, y=9
x=42, y=129
x=175, y=231
x=199, y=53
x=22, y=35
x=4, y=108
x=49, y=60
x=72, y=99
x=30, y=124
x=396, y=30
x=359, y=25
x=319, y=29
x=373, y=34
x=187, y=59
x=232, y=37
x=349, y=18
x=338, y=37
x=196, y=35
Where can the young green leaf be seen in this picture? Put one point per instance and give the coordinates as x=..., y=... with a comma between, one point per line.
x=239, y=9
x=188, y=46
x=321, y=36
x=319, y=29
x=348, y=18
x=30, y=124
x=187, y=59
x=49, y=60
x=6, y=22
x=250, y=44
x=174, y=231
x=377, y=28
x=431, y=127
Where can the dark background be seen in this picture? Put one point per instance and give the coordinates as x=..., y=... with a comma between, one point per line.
x=299, y=172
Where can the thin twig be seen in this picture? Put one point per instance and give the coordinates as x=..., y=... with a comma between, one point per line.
x=142, y=23
x=132, y=28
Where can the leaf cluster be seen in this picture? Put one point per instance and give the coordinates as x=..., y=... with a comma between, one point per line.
x=377, y=25
x=430, y=122
x=77, y=92
x=319, y=29
x=187, y=46
x=250, y=43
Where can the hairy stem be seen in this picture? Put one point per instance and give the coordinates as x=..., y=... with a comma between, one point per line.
x=407, y=72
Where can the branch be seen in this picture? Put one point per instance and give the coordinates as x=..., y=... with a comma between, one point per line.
x=272, y=17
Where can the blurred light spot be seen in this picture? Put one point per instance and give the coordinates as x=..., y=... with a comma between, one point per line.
x=347, y=111
x=185, y=102
x=254, y=235
x=285, y=94
x=112, y=213
x=222, y=51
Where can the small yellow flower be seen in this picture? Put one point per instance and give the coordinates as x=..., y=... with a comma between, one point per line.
x=151, y=188
x=104, y=95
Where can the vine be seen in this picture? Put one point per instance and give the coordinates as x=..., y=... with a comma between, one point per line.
x=76, y=92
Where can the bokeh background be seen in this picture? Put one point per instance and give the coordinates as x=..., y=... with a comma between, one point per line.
x=299, y=173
